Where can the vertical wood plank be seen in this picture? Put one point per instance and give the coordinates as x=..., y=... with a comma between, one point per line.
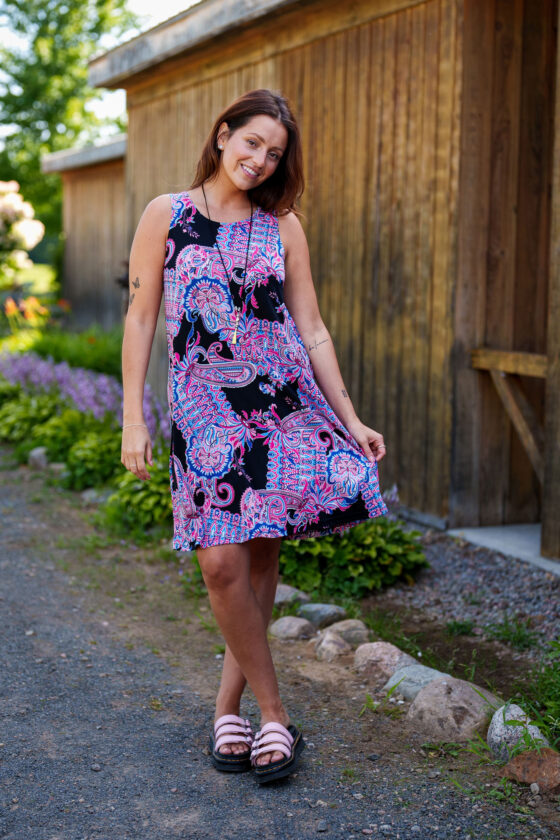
x=550, y=539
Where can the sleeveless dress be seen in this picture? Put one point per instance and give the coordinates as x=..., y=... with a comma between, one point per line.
x=256, y=450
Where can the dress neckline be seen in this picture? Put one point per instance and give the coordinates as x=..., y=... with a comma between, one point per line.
x=214, y=221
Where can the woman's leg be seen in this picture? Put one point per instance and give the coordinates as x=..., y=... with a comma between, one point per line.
x=241, y=581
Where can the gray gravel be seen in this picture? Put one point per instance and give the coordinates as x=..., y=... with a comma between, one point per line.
x=472, y=582
x=84, y=756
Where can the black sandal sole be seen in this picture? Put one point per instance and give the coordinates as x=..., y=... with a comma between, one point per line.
x=280, y=769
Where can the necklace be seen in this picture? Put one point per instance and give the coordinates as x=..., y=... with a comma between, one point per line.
x=242, y=296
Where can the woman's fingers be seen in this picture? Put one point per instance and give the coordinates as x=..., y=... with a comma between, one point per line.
x=136, y=446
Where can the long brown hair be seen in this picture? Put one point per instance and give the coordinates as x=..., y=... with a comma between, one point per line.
x=283, y=188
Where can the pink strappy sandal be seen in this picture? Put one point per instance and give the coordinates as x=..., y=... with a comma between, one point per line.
x=271, y=738
x=231, y=729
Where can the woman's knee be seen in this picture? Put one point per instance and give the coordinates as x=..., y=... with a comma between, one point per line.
x=223, y=567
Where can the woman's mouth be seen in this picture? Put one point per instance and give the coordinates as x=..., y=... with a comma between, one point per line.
x=249, y=172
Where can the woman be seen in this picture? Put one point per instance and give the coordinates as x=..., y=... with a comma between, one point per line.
x=265, y=441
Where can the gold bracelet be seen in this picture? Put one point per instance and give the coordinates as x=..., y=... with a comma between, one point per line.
x=128, y=425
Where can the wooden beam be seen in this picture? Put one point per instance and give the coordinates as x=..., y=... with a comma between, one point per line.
x=523, y=418
x=524, y=364
x=550, y=539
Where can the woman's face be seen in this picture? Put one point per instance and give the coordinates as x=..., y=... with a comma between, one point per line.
x=253, y=152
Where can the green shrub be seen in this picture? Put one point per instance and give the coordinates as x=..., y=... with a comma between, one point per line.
x=139, y=506
x=94, y=348
x=368, y=556
x=59, y=434
x=19, y=416
x=8, y=391
x=93, y=459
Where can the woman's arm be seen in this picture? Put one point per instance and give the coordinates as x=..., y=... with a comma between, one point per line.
x=147, y=257
x=301, y=301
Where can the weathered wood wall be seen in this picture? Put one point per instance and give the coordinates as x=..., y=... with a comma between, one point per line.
x=96, y=251
x=504, y=223
x=376, y=88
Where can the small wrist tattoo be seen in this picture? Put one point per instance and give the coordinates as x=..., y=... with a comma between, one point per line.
x=317, y=343
x=344, y=393
x=136, y=283
x=132, y=296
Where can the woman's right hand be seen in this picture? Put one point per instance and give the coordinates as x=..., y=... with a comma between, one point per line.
x=136, y=449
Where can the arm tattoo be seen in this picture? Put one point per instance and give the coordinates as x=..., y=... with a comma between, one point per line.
x=131, y=299
x=136, y=283
x=317, y=343
x=344, y=393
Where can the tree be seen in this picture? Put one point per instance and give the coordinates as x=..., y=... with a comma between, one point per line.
x=44, y=91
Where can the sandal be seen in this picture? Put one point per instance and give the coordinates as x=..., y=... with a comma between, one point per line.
x=231, y=729
x=271, y=738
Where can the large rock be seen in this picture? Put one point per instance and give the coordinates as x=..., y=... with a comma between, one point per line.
x=37, y=458
x=378, y=660
x=502, y=736
x=288, y=595
x=330, y=645
x=540, y=766
x=292, y=627
x=414, y=677
x=449, y=709
x=321, y=615
x=352, y=631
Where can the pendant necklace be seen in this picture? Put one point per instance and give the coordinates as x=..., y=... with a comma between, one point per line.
x=238, y=311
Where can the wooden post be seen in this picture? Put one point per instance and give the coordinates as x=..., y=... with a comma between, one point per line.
x=550, y=540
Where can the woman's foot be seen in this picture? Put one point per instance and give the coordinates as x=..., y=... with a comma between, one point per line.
x=230, y=744
x=268, y=757
x=234, y=747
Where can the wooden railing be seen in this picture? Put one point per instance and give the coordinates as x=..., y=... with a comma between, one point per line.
x=505, y=368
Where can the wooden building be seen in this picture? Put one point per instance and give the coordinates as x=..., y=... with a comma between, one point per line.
x=95, y=228
x=432, y=197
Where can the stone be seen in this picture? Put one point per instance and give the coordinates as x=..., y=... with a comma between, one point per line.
x=286, y=594
x=352, y=631
x=378, y=660
x=414, y=677
x=57, y=468
x=329, y=645
x=450, y=709
x=503, y=737
x=322, y=825
x=321, y=615
x=539, y=766
x=37, y=458
x=292, y=627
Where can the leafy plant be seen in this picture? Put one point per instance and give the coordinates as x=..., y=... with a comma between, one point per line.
x=18, y=416
x=137, y=506
x=94, y=349
x=459, y=628
x=59, y=434
x=93, y=460
x=369, y=556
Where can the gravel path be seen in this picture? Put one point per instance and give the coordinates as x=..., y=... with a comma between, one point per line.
x=472, y=582
x=101, y=742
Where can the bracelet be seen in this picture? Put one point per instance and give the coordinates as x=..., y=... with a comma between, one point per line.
x=128, y=425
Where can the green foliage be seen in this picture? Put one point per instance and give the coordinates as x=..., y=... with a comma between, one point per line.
x=8, y=391
x=59, y=434
x=139, y=506
x=539, y=696
x=95, y=349
x=45, y=97
x=19, y=416
x=512, y=631
x=369, y=556
x=459, y=628
x=93, y=459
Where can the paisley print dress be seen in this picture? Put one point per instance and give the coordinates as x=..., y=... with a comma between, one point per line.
x=256, y=450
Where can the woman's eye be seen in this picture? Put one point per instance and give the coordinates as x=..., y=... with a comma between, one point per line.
x=251, y=141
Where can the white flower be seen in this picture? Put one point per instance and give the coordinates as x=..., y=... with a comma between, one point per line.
x=8, y=187
x=20, y=259
x=28, y=232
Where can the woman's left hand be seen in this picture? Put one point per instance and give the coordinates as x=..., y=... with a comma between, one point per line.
x=371, y=441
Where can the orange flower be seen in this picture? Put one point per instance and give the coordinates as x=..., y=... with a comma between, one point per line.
x=64, y=304
x=10, y=308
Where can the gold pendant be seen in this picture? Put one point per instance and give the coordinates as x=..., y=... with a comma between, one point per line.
x=234, y=339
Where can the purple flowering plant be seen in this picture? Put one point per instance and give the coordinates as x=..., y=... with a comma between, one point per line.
x=93, y=393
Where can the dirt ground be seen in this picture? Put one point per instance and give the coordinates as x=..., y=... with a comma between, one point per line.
x=139, y=594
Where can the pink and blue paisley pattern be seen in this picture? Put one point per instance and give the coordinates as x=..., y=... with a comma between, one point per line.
x=256, y=450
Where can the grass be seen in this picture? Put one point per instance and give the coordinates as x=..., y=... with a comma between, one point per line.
x=459, y=628
x=513, y=631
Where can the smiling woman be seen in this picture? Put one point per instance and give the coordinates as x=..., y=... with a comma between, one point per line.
x=265, y=442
